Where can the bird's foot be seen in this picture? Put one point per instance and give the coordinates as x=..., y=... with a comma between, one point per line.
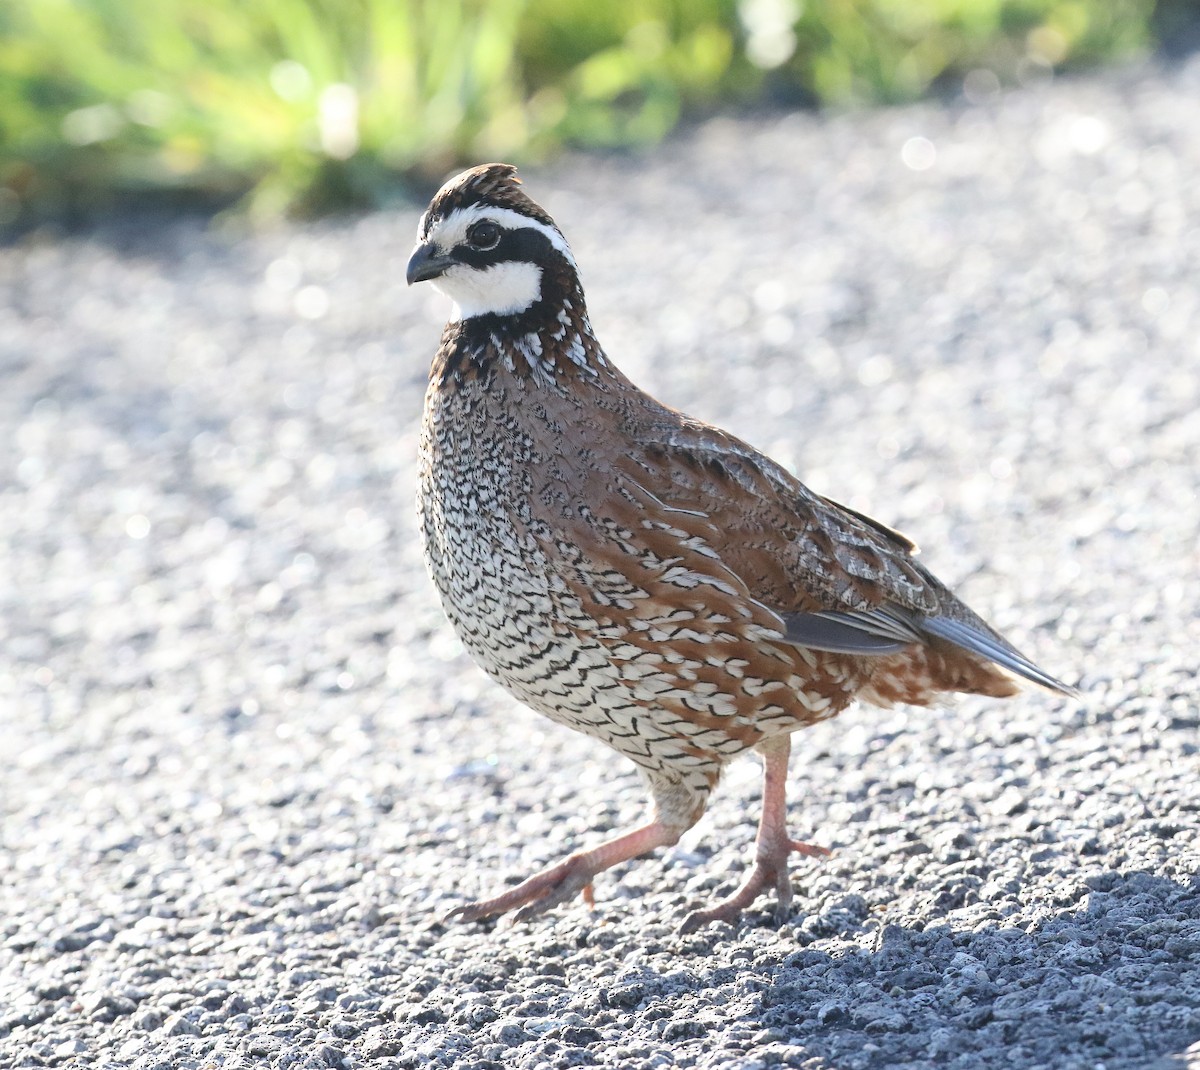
x=770, y=870
x=536, y=895
x=554, y=886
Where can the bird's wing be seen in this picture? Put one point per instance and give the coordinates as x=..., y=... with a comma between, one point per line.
x=795, y=550
x=839, y=580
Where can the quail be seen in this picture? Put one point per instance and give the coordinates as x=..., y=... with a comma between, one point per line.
x=642, y=576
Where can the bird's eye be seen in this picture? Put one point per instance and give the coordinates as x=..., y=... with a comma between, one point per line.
x=483, y=235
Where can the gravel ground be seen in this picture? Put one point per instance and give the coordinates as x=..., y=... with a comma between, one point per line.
x=246, y=767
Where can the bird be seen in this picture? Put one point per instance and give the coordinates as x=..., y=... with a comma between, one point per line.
x=642, y=576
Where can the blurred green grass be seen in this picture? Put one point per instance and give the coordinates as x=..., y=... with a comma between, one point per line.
x=308, y=105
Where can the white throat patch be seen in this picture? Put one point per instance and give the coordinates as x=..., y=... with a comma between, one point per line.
x=503, y=289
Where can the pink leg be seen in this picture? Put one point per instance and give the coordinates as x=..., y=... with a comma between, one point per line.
x=574, y=874
x=772, y=846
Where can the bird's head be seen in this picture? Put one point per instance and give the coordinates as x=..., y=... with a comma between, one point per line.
x=491, y=249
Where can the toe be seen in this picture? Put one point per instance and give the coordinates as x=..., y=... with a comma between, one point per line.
x=697, y=919
x=566, y=888
x=810, y=849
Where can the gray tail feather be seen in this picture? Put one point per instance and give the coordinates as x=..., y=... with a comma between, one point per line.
x=995, y=650
x=888, y=629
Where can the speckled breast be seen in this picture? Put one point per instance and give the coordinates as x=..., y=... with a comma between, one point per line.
x=492, y=574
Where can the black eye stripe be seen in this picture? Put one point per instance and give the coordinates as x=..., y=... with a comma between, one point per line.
x=525, y=244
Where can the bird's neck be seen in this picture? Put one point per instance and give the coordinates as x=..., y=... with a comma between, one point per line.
x=550, y=344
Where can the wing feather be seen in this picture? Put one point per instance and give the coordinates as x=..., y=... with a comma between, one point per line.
x=712, y=522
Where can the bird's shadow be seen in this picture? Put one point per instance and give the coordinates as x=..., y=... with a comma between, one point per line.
x=1116, y=983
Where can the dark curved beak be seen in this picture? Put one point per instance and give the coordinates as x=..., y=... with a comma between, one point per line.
x=425, y=263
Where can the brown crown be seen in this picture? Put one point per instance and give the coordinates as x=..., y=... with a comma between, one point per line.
x=490, y=183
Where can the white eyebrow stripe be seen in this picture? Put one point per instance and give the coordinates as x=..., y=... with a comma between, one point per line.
x=452, y=230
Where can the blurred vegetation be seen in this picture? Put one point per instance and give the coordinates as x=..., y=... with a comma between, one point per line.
x=304, y=105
